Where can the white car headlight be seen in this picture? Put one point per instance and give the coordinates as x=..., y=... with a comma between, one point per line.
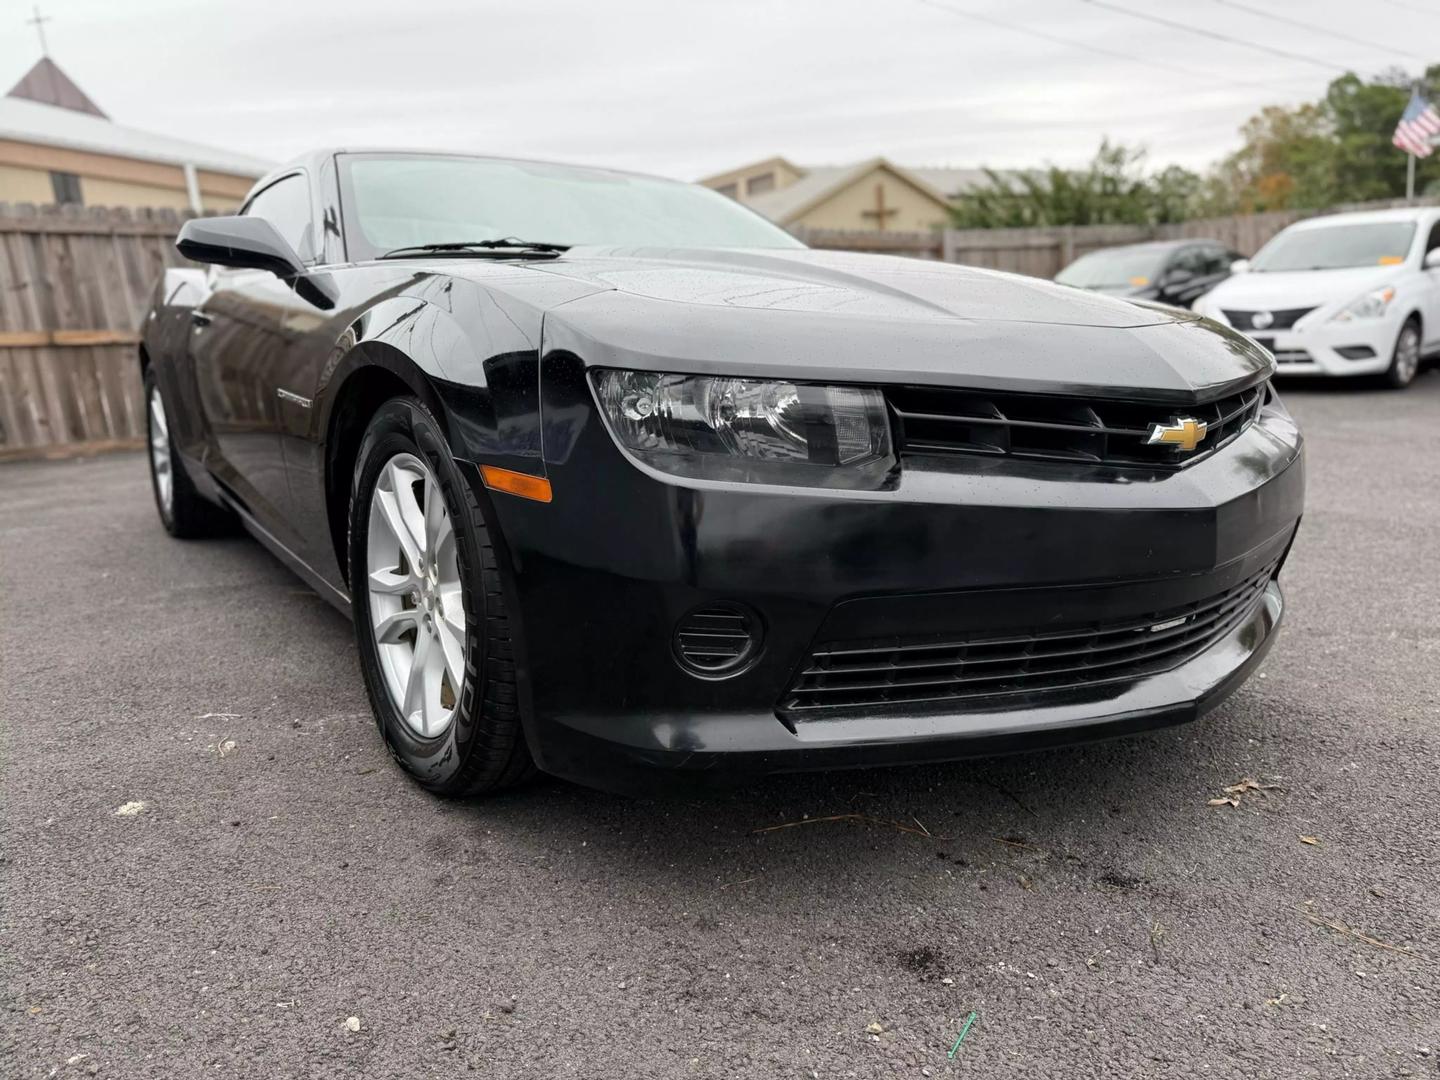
x=1372, y=305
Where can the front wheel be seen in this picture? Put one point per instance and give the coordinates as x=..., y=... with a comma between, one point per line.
x=430, y=611
x=1405, y=361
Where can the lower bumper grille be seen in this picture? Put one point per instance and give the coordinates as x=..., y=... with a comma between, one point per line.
x=1293, y=356
x=851, y=675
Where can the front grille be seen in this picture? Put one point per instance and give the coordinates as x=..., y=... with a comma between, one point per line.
x=867, y=674
x=1279, y=320
x=937, y=420
x=1293, y=356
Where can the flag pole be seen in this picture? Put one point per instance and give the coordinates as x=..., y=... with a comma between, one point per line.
x=1409, y=178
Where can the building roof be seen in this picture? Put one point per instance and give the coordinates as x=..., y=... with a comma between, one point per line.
x=777, y=161
x=31, y=121
x=953, y=182
x=47, y=84
x=785, y=204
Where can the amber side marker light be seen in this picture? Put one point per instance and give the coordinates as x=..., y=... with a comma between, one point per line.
x=516, y=483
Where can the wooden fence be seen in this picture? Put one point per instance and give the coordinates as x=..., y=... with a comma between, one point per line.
x=74, y=286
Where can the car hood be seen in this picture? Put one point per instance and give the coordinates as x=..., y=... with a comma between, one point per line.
x=849, y=316
x=842, y=282
x=1263, y=291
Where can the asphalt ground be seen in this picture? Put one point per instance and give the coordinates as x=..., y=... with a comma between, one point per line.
x=1100, y=917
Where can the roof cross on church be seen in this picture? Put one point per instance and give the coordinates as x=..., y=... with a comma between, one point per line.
x=39, y=21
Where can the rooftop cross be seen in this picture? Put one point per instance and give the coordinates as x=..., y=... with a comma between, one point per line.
x=39, y=21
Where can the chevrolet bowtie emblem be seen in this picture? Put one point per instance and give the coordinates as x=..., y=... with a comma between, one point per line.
x=1183, y=434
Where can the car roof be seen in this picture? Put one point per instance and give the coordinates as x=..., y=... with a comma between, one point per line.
x=1158, y=246
x=1368, y=217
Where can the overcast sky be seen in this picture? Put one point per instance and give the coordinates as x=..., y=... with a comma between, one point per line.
x=690, y=87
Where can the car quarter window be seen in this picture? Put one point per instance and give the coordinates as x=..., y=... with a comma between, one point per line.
x=286, y=205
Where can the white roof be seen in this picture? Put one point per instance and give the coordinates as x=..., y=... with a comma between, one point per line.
x=49, y=125
x=1366, y=217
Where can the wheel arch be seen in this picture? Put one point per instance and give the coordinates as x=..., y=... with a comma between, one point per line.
x=371, y=374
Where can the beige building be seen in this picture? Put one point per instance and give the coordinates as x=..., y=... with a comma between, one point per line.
x=873, y=194
x=57, y=146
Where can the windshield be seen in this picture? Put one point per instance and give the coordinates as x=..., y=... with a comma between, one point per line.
x=1116, y=267
x=395, y=201
x=1336, y=247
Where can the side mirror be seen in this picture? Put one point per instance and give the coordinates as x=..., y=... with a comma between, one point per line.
x=1432, y=259
x=1239, y=266
x=250, y=243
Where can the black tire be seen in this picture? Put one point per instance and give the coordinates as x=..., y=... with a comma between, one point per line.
x=1405, y=359
x=189, y=515
x=482, y=750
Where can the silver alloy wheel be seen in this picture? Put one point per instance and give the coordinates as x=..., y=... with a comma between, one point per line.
x=160, y=452
x=1407, y=354
x=417, y=606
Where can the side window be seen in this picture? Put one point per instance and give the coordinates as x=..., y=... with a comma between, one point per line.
x=1218, y=260
x=286, y=205
x=1191, y=259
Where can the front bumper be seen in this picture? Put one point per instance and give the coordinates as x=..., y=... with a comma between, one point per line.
x=604, y=573
x=1332, y=348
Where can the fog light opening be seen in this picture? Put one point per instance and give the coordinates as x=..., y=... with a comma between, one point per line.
x=718, y=640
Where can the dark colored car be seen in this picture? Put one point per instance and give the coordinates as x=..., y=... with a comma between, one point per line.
x=1176, y=272
x=621, y=481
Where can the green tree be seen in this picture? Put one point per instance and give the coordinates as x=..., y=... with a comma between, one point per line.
x=1113, y=189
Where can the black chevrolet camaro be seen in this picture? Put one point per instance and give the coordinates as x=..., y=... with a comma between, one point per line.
x=622, y=482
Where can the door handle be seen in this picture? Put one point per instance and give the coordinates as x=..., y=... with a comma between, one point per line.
x=198, y=318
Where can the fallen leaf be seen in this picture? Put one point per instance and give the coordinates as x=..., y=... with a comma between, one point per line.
x=1249, y=783
x=874, y=1028
x=129, y=809
x=1309, y=839
x=1240, y=787
x=352, y=1023
x=226, y=747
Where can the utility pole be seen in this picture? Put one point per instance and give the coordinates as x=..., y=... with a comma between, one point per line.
x=1409, y=178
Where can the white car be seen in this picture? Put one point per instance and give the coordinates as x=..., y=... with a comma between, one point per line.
x=1344, y=294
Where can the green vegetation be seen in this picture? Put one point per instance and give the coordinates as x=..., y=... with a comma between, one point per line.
x=1335, y=150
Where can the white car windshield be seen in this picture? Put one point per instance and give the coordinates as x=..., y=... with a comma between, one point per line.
x=1336, y=247
x=408, y=200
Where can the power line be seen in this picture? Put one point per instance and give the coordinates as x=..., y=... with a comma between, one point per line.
x=1319, y=30
x=1215, y=35
x=1115, y=54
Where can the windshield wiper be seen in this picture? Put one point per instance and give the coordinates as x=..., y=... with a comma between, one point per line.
x=483, y=248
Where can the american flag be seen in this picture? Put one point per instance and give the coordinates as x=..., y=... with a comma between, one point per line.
x=1419, y=123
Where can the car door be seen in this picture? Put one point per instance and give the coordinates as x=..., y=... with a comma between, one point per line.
x=240, y=345
x=1430, y=294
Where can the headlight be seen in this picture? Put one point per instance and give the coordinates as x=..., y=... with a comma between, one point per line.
x=1370, y=306
x=749, y=430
